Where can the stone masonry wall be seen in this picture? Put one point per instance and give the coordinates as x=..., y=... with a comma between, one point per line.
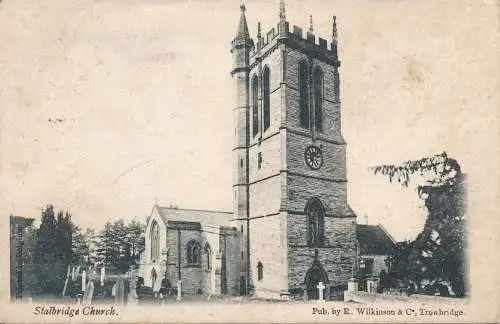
x=337, y=257
x=273, y=62
x=268, y=246
x=233, y=263
x=301, y=189
x=334, y=157
x=331, y=108
x=191, y=276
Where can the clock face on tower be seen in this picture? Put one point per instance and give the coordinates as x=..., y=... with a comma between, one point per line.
x=314, y=157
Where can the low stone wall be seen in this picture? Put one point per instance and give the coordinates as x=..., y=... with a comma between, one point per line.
x=366, y=298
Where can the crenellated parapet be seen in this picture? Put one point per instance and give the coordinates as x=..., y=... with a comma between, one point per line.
x=295, y=37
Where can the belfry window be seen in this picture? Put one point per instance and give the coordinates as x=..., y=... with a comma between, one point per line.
x=318, y=99
x=315, y=222
x=255, y=105
x=193, y=253
x=155, y=241
x=260, y=271
x=266, y=99
x=304, y=94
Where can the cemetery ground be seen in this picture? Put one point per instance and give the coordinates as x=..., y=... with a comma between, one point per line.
x=170, y=300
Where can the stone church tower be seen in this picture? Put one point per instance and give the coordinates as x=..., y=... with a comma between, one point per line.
x=290, y=181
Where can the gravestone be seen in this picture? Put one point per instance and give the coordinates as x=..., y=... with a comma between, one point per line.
x=179, y=290
x=320, y=287
x=66, y=281
x=120, y=290
x=89, y=291
x=372, y=284
x=84, y=280
x=352, y=284
x=78, y=299
x=132, y=295
x=103, y=273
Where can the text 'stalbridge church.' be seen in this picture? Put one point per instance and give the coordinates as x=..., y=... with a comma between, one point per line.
x=291, y=226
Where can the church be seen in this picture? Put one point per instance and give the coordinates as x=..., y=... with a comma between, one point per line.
x=291, y=226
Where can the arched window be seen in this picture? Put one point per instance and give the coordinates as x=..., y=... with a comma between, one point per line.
x=260, y=271
x=318, y=99
x=193, y=253
x=255, y=105
x=266, y=99
x=304, y=94
x=208, y=256
x=155, y=241
x=315, y=222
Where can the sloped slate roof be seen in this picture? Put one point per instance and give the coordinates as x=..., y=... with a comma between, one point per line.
x=207, y=217
x=374, y=240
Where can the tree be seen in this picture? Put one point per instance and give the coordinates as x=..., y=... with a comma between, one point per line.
x=136, y=239
x=438, y=252
x=79, y=247
x=120, y=245
x=45, y=246
x=53, y=249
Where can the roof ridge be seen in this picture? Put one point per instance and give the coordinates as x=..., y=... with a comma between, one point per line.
x=386, y=232
x=199, y=210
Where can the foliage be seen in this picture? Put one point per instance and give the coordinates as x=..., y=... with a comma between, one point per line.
x=80, y=246
x=438, y=253
x=120, y=244
x=53, y=249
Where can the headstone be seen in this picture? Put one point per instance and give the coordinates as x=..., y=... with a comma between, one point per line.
x=132, y=295
x=372, y=284
x=84, y=280
x=66, y=281
x=120, y=290
x=352, y=284
x=89, y=291
x=103, y=273
x=320, y=287
x=179, y=290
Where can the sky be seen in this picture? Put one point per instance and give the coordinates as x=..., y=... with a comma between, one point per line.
x=108, y=106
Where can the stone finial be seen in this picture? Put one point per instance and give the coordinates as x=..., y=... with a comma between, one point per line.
x=259, y=35
x=311, y=23
x=282, y=10
x=242, y=32
x=334, y=30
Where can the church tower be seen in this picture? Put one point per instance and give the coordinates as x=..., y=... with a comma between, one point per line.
x=290, y=181
x=241, y=48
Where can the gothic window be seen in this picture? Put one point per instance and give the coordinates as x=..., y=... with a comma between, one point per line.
x=266, y=102
x=155, y=241
x=260, y=271
x=208, y=256
x=304, y=94
x=255, y=105
x=318, y=99
x=193, y=253
x=315, y=222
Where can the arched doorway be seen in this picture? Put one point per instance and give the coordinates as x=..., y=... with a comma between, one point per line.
x=154, y=276
x=314, y=276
